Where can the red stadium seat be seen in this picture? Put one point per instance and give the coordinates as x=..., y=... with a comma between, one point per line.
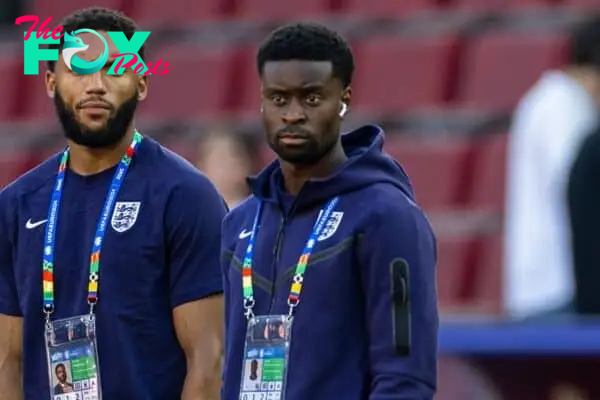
x=177, y=12
x=10, y=70
x=469, y=274
x=389, y=8
x=583, y=4
x=39, y=105
x=500, y=68
x=197, y=83
x=276, y=10
x=498, y=5
x=435, y=168
x=249, y=82
x=395, y=73
x=58, y=9
x=490, y=173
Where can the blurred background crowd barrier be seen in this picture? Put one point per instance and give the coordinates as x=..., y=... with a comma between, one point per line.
x=441, y=77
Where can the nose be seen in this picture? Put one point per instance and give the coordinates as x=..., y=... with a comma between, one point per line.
x=95, y=84
x=294, y=113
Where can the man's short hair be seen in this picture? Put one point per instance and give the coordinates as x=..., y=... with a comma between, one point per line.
x=308, y=42
x=98, y=19
x=585, y=43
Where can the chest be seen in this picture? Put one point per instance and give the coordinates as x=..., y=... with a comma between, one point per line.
x=280, y=253
x=132, y=255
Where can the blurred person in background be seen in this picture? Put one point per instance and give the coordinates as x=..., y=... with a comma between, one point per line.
x=584, y=211
x=228, y=158
x=548, y=128
x=364, y=317
x=157, y=220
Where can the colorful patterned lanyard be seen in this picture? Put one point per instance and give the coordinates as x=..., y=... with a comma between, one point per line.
x=294, y=296
x=51, y=228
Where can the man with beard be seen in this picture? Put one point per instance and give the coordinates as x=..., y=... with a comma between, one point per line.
x=331, y=243
x=63, y=386
x=156, y=290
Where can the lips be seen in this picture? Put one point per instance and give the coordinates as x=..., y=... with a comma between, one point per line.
x=95, y=105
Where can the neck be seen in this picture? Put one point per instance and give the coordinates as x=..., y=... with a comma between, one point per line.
x=586, y=77
x=86, y=161
x=295, y=176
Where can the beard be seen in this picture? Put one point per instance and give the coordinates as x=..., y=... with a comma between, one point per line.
x=310, y=152
x=108, y=136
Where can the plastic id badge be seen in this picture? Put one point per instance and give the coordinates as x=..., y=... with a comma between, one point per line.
x=266, y=358
x=73, y=359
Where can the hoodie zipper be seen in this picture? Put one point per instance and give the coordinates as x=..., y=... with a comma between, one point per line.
x=276, y=256
x=277, y=252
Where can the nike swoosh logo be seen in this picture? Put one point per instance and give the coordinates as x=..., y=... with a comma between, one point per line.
x=31, y=225
x=244, y=234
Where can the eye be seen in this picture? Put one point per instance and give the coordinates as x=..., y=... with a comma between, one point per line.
x=277, y=99
x=313, y=99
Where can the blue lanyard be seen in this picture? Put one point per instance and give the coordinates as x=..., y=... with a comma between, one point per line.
x=295, y=290
x=52, y=225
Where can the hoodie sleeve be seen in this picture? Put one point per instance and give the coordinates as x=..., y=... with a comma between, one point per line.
x=397, y=260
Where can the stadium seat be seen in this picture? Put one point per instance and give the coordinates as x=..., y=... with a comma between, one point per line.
x=197, y=83
x=499, y=68
x=490, y=173
x=58, y=9
x=249, y=93
x=469, y=274
x=499, y=5
x=583, y=4
x=435, y=168
x=276, y=10
x=10, y=69
x=39, y=105
x=396, y=73
x=177, y=12
x=388, y=8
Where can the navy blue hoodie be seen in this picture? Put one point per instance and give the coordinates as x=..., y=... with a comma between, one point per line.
x=349, y=322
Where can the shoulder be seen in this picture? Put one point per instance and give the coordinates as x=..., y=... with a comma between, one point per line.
x=173, y=172
x=239, y=214
x=557, y=103
x=392, y=206
x=30, y=181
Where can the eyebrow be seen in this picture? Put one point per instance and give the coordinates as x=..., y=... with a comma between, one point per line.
x=306, y=87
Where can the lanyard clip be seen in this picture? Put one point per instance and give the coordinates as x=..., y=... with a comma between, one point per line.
x=92, y=304
x=293, y=303
x=248, y=307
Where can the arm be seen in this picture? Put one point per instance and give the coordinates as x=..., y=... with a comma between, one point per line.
x=400, y=238
x=11, y=329
x=11, y=323
x=193, y=222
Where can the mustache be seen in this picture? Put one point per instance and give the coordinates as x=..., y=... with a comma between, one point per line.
x=97, y=100
x=294, y=130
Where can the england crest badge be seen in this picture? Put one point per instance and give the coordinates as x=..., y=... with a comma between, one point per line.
x=125, y=215
x=331, y=225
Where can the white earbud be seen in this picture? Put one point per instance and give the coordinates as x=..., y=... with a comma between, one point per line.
x=344, y=110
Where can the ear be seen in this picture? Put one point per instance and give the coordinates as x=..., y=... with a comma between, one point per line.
x=50, y=81
x=347, y=96
x=346, y=99
x=142, y=85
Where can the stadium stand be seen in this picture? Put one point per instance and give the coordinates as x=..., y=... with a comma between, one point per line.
x=441, y=76
x=410, y=61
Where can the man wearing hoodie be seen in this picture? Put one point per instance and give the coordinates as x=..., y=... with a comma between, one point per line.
x=331, y=241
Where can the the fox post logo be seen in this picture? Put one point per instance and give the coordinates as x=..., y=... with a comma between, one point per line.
x=128, y=56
